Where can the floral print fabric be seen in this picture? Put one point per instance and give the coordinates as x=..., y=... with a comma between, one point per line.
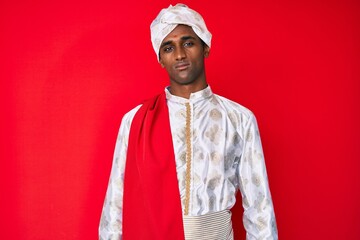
x=225, y=156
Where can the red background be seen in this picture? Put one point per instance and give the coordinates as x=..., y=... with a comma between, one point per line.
x=70, y=70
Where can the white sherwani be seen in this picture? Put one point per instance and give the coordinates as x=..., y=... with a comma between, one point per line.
x=217, y=152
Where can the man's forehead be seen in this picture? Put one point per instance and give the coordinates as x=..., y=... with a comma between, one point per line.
x=179, y=33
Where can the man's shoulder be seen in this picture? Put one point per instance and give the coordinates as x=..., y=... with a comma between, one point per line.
x=127, y=118
x=146, y=103
x=234, y=106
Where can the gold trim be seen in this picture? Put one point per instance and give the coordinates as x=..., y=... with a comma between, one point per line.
x=188, y=158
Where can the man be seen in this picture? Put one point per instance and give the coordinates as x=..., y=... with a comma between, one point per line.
x=181, y=157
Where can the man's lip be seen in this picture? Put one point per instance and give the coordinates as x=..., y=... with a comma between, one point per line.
x=182, y=66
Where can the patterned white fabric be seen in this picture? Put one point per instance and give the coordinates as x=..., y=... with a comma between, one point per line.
x=226, y=156
x=170, y=17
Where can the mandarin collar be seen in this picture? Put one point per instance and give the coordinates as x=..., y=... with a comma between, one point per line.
x=194, y=97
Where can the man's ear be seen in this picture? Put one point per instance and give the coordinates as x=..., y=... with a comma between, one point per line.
x=160, y=61
x=206, y=51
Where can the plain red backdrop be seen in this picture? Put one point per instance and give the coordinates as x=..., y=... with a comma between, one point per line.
x=70, y=70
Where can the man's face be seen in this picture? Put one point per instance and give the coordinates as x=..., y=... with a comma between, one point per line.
x=182, y=55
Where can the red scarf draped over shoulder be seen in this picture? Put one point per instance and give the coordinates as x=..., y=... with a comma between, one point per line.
x=151, y=203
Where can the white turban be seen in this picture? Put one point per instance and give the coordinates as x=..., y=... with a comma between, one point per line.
x=172, y=16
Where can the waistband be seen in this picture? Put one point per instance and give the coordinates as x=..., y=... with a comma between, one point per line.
x=211, y=226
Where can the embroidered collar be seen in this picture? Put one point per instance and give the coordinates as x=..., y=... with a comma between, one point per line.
x=194, y=97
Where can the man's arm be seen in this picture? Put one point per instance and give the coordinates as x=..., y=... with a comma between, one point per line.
x=259, y=218
x=110, y=227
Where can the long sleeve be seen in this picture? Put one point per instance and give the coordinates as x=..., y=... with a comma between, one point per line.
x=226, y=154
x=110, y=227
x=259, y=218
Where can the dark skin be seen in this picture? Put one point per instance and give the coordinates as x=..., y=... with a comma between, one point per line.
x=182, y=54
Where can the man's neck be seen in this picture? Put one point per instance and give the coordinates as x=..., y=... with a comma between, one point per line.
x=185, y=91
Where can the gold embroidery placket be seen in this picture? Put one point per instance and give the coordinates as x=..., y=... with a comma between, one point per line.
x=188, y=158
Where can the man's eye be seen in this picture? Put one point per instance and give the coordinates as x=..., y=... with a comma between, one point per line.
x=168, y=49
x=188, y=44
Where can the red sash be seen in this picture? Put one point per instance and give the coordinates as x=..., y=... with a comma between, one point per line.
x=151, y=204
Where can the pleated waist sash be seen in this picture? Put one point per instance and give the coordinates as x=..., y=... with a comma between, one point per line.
x=211, y=226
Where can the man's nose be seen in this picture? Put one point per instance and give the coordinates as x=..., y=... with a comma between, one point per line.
x=180, y=53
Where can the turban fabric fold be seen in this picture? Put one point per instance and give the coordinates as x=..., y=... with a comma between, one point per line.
x=170, y=17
